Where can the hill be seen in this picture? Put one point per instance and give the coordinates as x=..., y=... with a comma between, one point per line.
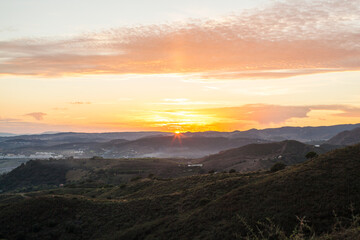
x=162, y=144
x=44, y=174
x=180, y=147
x=302, y=134
x=346, y=138
x=152, y=146
x=69, y=137
x=211, y=206
x=255, y=157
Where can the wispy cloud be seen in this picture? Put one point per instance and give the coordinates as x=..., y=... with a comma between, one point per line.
x=59, y=109
x=285, y=39
x=267, y=114
x=79, y=103
x=36, y=115
x=5, y=120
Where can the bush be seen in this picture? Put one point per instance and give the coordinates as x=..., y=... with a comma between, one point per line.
x=277, y=167
x=232, y=171
x=311, y=155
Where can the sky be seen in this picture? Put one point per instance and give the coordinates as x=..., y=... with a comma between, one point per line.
x=101, y=66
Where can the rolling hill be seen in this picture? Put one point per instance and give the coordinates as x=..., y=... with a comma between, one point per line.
x=301, y=134
x=346, y=138
x=162, y=144
x=44, y=174
x=154, y=146
x=255, y=157
x=210, y=206
x=165, y=147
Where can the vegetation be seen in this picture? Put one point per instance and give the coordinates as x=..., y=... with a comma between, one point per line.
x=253, y=157
x=278, y=166
x=311, y=155
x=317, y=199
x=44, y=174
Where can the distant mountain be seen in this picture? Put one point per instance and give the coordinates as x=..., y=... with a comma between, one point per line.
x=272, y=134
x=302, y=134
x=3, y=134
x=50, y=132
x=159, y=147
x=254, y=157
x=346, y=138
x=158, y=144
x=69, y=137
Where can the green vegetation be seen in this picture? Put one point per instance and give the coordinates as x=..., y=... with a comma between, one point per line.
x=45, y=174
x=278, y=166
x=311, y=155
x=317, y=199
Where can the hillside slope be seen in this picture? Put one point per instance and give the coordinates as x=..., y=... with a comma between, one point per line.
x=346, y=138
x=302, y=134
x=198, y=207
x=44, y=174
x=254, y=157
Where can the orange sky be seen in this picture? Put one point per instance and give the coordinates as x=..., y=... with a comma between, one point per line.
x=282, y=63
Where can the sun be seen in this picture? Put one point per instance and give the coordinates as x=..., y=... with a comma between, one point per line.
x=177, y=132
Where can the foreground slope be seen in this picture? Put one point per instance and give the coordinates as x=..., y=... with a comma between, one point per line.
x=197, y=207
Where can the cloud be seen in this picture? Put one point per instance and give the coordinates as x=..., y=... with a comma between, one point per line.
x=345, y=111
x=36, y=115
x=276, y=114
x=80, y=103
x=59, y=109
x=287, y=38
x=6, y=120
x=260, y=113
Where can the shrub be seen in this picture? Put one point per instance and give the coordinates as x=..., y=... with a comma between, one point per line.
x=311, y=155
x=277, y=167
x=232, y=171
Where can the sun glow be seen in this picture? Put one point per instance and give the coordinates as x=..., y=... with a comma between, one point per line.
x=178, y=121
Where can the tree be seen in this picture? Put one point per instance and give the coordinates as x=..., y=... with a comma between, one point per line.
x=232, y=171
x=277, y=167
x=311, y=155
